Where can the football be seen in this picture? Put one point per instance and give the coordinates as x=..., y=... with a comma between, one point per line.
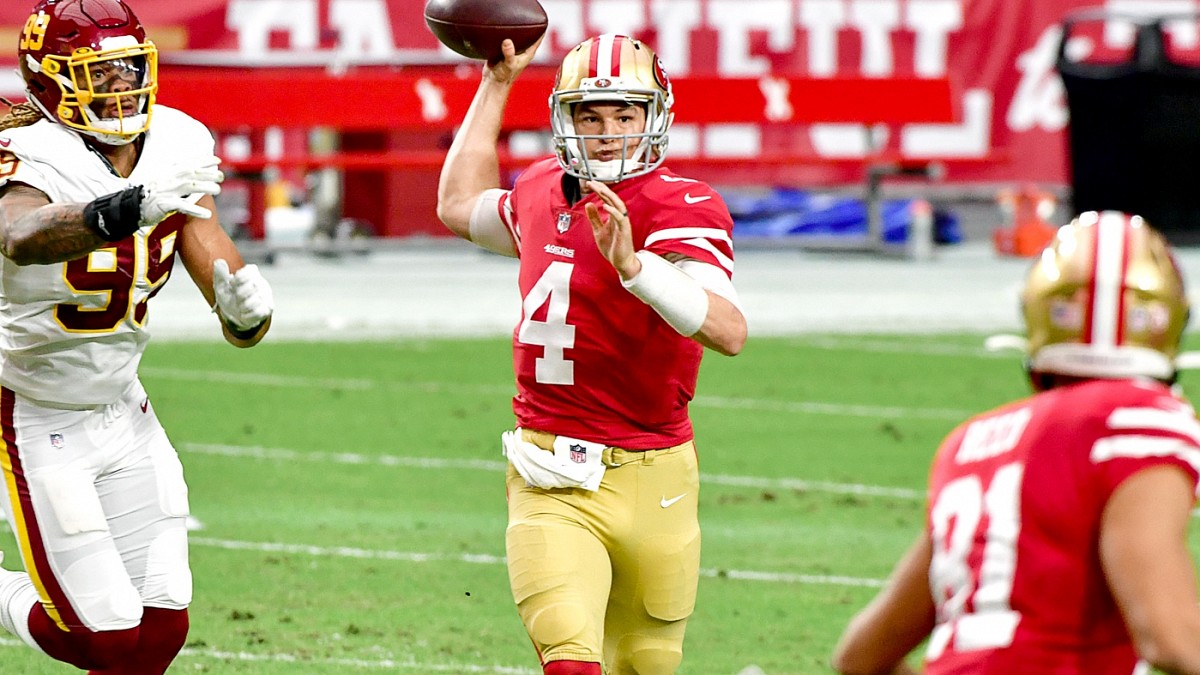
x=475, y=28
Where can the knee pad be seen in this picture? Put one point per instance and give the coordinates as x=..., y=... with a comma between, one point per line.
x=650, y=660
x=168, y=580
x=101, y=593
x=555, y=624
x=647, y=656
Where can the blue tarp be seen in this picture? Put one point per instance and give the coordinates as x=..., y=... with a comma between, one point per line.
x=794, y=214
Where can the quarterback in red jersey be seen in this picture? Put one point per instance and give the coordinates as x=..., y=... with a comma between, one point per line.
x=625, y=276
x=1056, y=537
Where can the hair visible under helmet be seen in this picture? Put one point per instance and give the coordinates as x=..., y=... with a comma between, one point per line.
x=66, y=44
x=611, y=68
x=1105, y=300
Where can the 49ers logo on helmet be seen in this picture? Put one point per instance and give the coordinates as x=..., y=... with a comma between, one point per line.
x=660, y=75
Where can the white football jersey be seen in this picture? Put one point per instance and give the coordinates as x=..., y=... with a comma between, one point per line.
x=74, y=332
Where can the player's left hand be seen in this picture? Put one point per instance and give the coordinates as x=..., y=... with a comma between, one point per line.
x=244, y=297
x=614, y=236
x=179, y=190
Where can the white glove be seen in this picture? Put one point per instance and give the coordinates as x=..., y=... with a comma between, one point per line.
x=180, y=191
x=244, y=298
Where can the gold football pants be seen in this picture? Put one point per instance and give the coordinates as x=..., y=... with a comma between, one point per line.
x=611, y=573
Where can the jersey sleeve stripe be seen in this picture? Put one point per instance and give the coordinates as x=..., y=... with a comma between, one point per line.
x=689, y=233
x=1156, y=419
x=722, y=259
x=1135, y=446
x=504, y=206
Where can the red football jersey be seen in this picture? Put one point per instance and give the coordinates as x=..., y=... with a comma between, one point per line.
x=592, y=361
x=1016, y=497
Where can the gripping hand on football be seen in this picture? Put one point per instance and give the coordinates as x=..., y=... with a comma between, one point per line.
x=244, y=297
x=179, y=191
x=506, y=70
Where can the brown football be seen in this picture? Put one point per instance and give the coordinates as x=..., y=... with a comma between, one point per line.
x=475, y=28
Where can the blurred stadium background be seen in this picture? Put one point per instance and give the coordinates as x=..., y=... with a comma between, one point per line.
x=345, y=476
x=333, y=115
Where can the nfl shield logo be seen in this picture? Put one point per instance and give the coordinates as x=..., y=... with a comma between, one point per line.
x=56, y=441
x=564, y=222
x=578, y=454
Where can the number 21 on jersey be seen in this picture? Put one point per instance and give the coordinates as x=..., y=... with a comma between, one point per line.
x=956, y=515
x=553, y=334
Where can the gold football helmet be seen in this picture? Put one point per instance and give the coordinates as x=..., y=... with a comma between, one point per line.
x=1105, y=300
x=611, y=68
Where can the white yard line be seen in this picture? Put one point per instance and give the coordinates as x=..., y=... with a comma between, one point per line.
x=353, y=458
x=823, y=408
x=364, y=664
x=487, y=559
x=718, y=402
x=880, y=346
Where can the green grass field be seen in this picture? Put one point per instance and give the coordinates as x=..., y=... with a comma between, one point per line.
x=353, y=501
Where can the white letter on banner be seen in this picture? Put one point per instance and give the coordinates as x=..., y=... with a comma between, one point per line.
x=734, y=23
x=821, y=20
x=255, y=20
x=1039, y=101
x=675, y=20
x=623, y=17
x=777, y=92
x=433, y=100
x=566, y=27
x=875, y=21
x=933, y=21
x=363, y=26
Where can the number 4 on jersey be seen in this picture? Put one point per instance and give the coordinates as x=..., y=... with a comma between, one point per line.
x=552, y=290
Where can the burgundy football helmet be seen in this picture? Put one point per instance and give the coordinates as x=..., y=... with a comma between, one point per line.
x=88, y=65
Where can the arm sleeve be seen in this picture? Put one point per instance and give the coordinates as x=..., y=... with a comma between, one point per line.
x=712, y=278
x=492, y=225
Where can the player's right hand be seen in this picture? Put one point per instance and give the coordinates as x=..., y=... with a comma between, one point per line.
x=507, y=70
x=179, y=191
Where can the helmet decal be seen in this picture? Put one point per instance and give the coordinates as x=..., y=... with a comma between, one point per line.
x=660, y=75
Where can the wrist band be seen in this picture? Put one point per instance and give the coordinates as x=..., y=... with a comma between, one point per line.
x=678, y=298
x=115, y=216
x=247, y=333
